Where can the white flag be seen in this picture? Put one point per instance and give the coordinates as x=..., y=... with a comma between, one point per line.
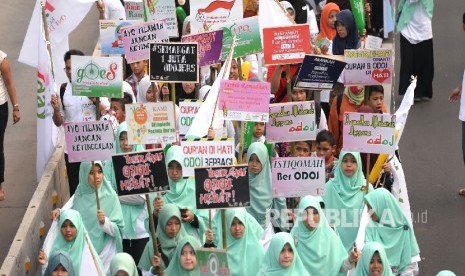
x=404, y=108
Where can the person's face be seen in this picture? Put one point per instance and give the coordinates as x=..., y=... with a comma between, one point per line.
x=172, y=227
x=174, y=171
x=376, y=100
x=60, y=270
x=341, y=29
x=255, y=166
x=150, y=96
x=255, y=4
x=138, y=67
x=376, y=265
x=349, y=165
x=121, y=273
x=290, y=13
x=298, y=95
x=68, y=231
x=324, y=149
x=188, y=87
x=95, y=176
x=165, y=90
x=332, y=19
x=118, y=108
x=237, y=228
x=258, y=129
x=123, y=142
x=286, y=256
x=302, y=149
x=68, y=68
x=234, y=72
x=188, y=258
x=311, y=218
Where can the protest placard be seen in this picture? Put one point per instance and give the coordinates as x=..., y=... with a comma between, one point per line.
x=369, y=132
x=188, y=109
x=134, y=9
x=244, y=100
x=151, y=123
x=162, y=10
x=111, y=39
x=89, y=141
x=368, y=67
x=318, y=72
x=247, y=32
x=298, y=176
x=97, y=76
x=174, y=62
x=205, y=13
x=140, y=172
x=212, y=262
x=291, y=122
x=248, y=135
x=137, y=39
x=209, y=46
x=222, y=187
x=284, y=45
x=373, y=42
x=206, y=153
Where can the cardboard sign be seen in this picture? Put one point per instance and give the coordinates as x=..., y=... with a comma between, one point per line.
x=89, y=141
x=206, y=153
x=162, y=10
x=244, y=100
x=206, y=13
x=209, y=46
x=222, y=187
x=188, y=109
x=111, y=39
x=298, y=176
x=248, y=135
x=174, y=62
x=140, y=172
x=247, y=32
x=134, y=9
x=373, y=42
x=212, y=262
x=291, y=122
x=151, y=123
x=97, y=76
x=318, y=72
x=368, y=67
x=369, y=132
x=284, y=45
x=137, y=39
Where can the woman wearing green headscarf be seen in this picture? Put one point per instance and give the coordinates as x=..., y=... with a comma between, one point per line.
x=281, y=258
x=318, y=246
x=105, y=226
x=374, y=261
x=392, y=229
x=60, y=264
x=169, y=230
x=184, y=262
x=344, y=197
x=133, y=206
x=123, y=263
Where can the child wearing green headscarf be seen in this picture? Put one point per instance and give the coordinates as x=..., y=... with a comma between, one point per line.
x=281, y=258
x=60, y=262
x=392, y=229
x=318, y=246
x=373, y=261
x=123, y=262
x=344, y=197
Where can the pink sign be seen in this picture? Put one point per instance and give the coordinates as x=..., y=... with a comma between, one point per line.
x=298, y=176
x=244, y=100
x=369, y=132
x=89, y=141
x=291, y=122
x=368, y=67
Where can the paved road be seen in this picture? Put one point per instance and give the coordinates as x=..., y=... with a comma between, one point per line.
x=430, y=146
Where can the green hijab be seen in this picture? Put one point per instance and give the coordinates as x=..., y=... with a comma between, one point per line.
x=261, y=194
x=86, y=205
x=344, y=195
x=175, y=267
x=406, y=10
x=123, y=262
x=320, y=249
x=393, y=230
x=363, y=266
x=57, y=258
x=271, y=265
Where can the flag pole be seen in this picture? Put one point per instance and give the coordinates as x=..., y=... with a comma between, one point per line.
x=47, y=36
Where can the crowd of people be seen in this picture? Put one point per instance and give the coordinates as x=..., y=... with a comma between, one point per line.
x=113, y=236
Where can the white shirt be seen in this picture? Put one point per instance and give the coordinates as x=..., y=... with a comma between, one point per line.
x=77, y=109
x=419, y=28
x=3, y=91
x=114, y=10
x=462, y=101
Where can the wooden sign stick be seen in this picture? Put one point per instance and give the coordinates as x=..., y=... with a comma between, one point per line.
x=152, y=228
x=223, y=226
